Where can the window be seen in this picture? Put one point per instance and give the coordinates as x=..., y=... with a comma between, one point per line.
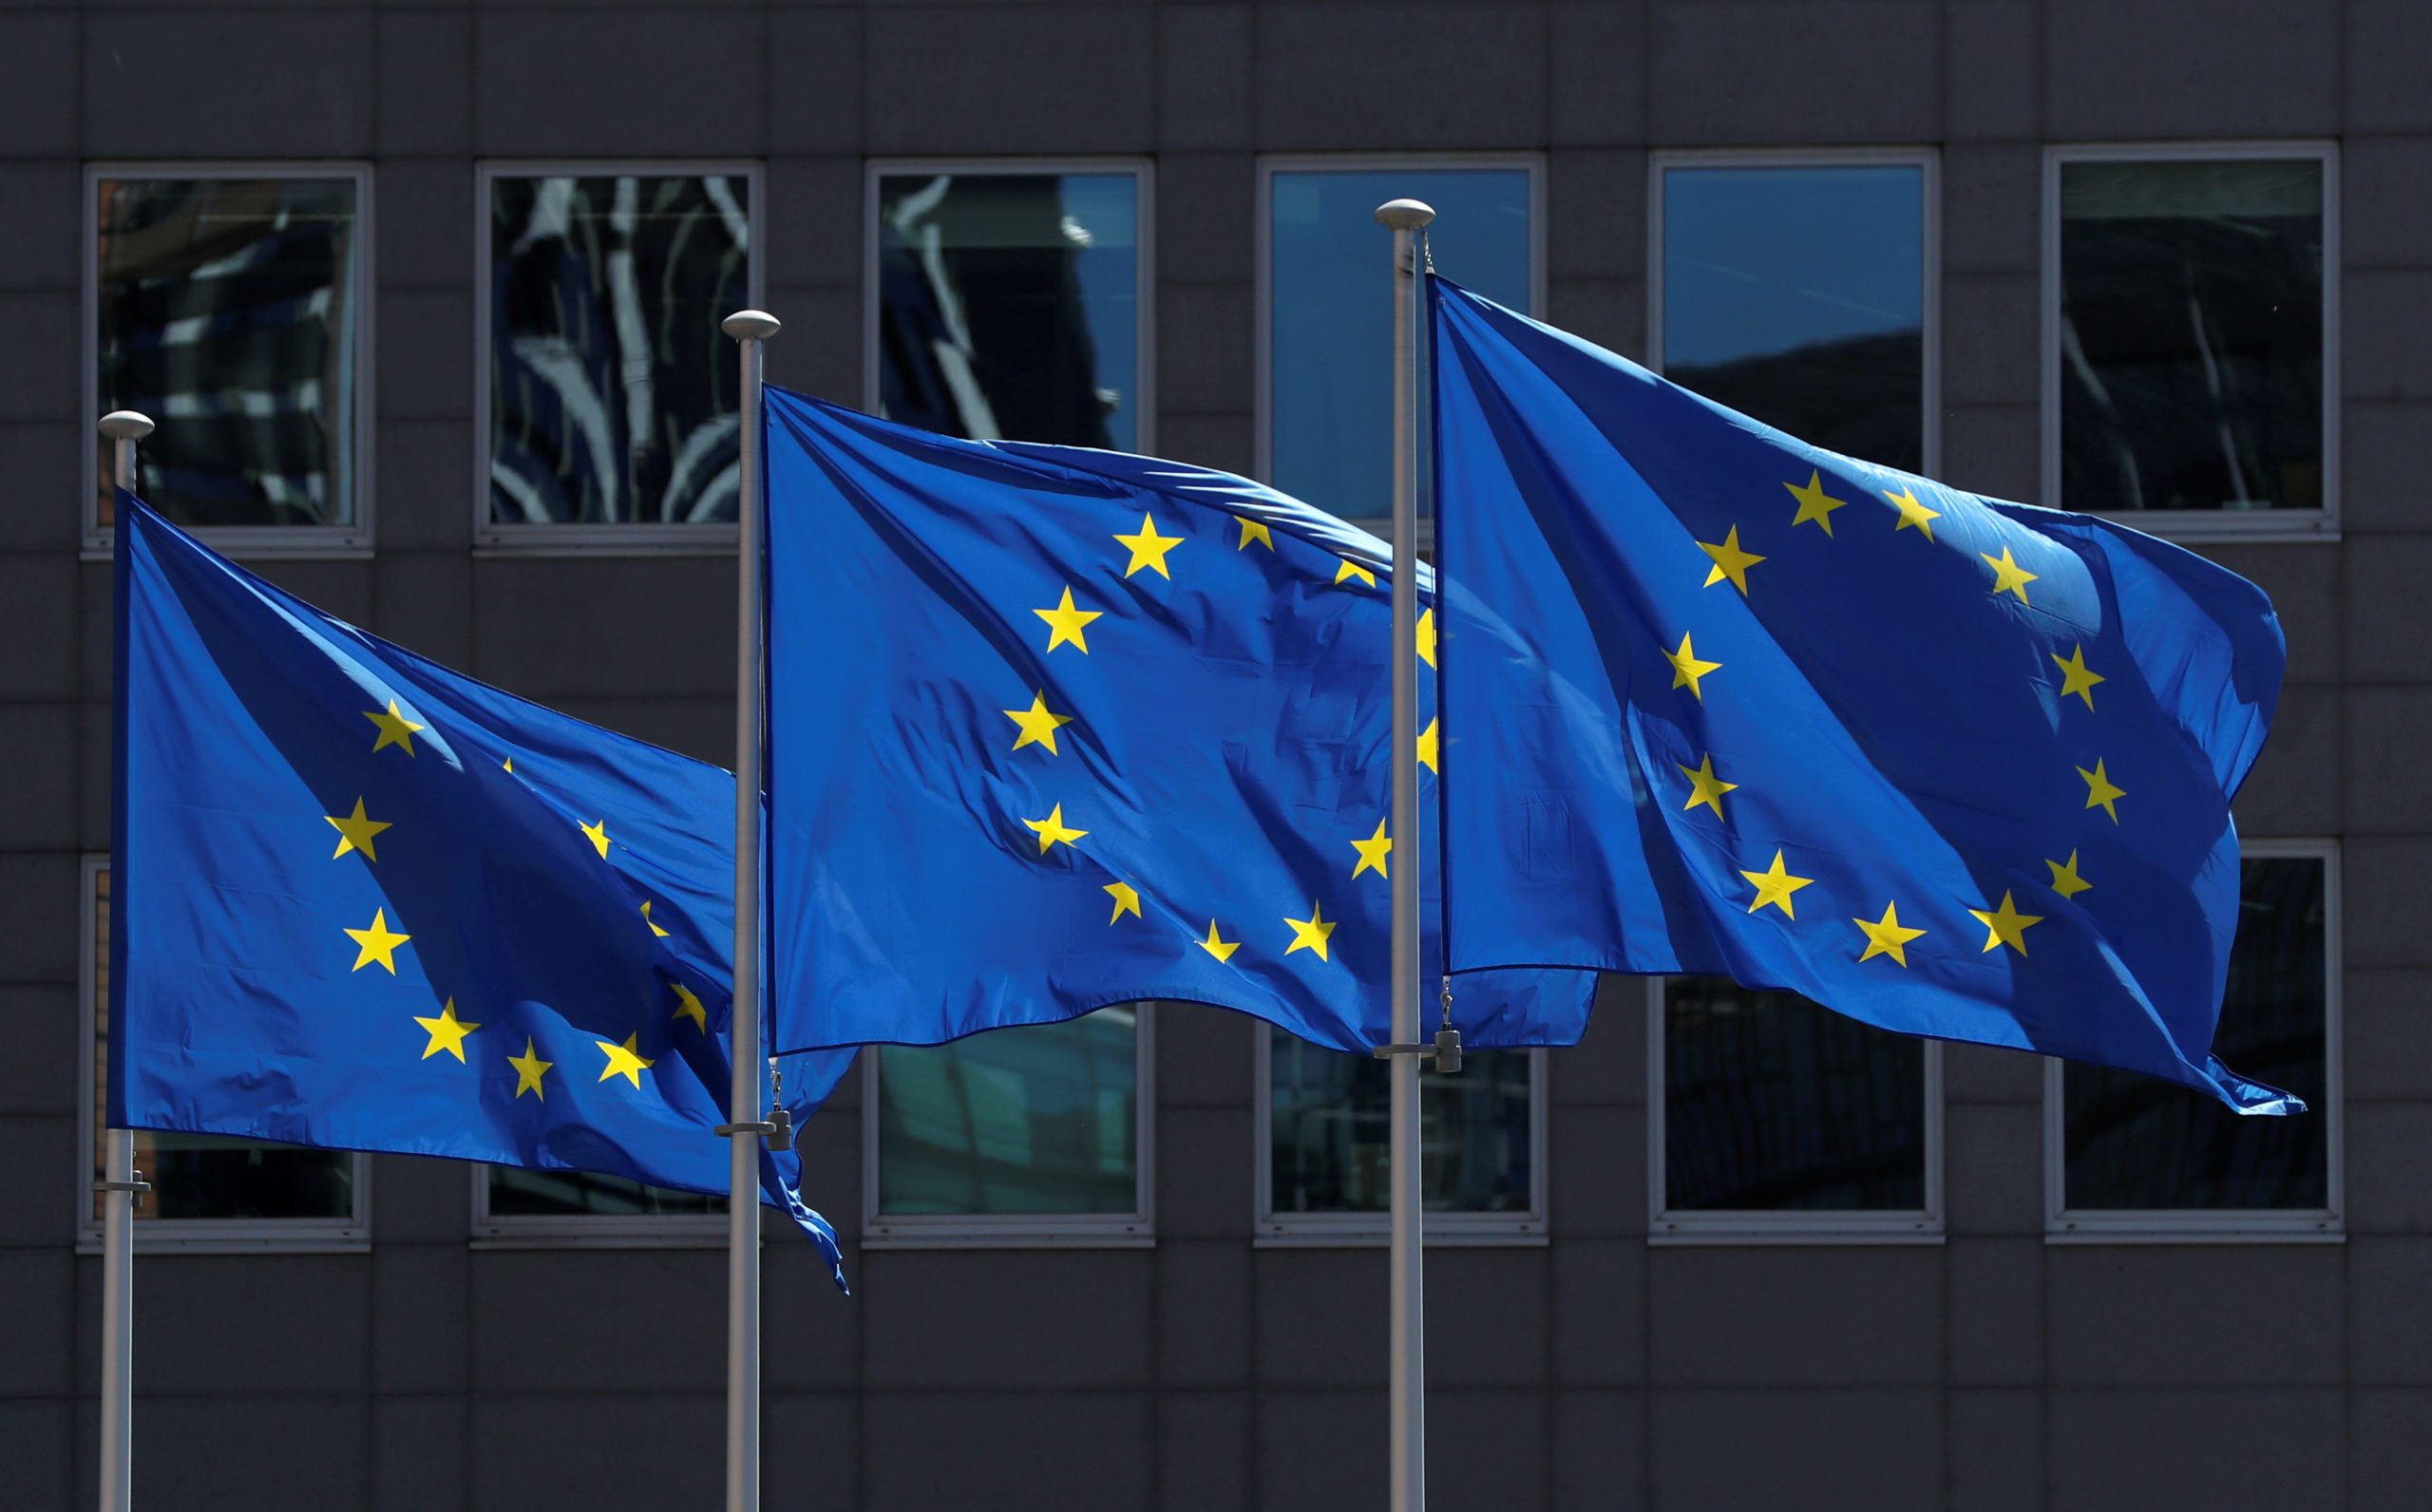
x=231, y=306
x=208, y=1191
x=610, y=400
x=1326, y=323
x=1323, y=1146
x=2189, y=350
x=517, y=1205
x=1801, y=291
x=1036, y=1135
x=1776, y=1118
x=1009, y=300
x=2128, y=1156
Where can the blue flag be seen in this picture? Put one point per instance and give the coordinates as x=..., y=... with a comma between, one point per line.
x=1053, y=729
x=1719, y=701
x=361, y=901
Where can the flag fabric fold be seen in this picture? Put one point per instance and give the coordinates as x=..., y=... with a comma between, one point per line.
x=362, y=902
x=1717, y=701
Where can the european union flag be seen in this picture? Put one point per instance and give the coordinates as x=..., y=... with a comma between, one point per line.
x=1721, y=702
x=365, y=903
x=1053, y=729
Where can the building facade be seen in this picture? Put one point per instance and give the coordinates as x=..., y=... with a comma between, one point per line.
x=425, y=297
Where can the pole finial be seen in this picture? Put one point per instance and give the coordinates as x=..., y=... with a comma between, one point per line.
x=1404, y=215
x=126, y=424
x=750, y=325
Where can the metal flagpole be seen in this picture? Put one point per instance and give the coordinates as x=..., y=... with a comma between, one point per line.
x=1409, y=1306
x=750, y=329
x=117, y=1185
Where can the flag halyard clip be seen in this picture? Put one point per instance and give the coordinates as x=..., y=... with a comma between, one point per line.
x=1446, y=1050
x=778, y=1127
x=137, y=1185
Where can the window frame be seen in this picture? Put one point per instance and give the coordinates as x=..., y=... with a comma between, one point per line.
x=2196, y=525
x=170, y=1236
x=1022, y=1231
x=1664, y=1226
x=2063, y=1224
x=1927, y=160
x=1274, y=1229
x=588, y=1231
x=1144, y=176
x=256, y=542
x=682, y=538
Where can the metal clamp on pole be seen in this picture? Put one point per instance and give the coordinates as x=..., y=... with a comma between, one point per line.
x=139, y=1187
x=1445, y=1051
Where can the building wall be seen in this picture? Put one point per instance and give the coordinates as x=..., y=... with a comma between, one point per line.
x=1993, y=1371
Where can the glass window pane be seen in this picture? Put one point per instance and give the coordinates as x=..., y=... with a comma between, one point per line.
x=228, y=312
x=1774, y=1104
x=613, y=392
x=516, y=1192
x=1797, y=295
x=1043, y=1119
x=2134, y=1141
x=1330, y=313
x=2191, y=335
x=208, y=1175
x=1329, y=1135
x=1009, y=306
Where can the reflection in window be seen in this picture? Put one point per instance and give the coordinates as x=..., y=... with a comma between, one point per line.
x=613, y=392
x=1771, y=1103
x=1796, y=295
x=518, y=1192
x=1330, y=314
x=2134, y=1141
x=207, y=1176
x=1329, y=1137
x=2190, y=334
x=1009, y=306
x=229, y=310
x=1042, y=1118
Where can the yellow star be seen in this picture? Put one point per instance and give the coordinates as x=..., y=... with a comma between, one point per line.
x=1253, y=530
x=1886, y=937
x=2100, y=793
x=653, y=923
x=1427, y=747
x=1127, y=900
x=1373, y=852
x=2065, y=879
x=598, y=835
x=509, y=764
x=1051, y=829
x=1704, y=786
x=1310, y=934
x=447, y=1033
x=1427, y=637
x=2006, y=925
x=687, y=1005
x=378, y=943
x=2008, y=577
x=1149, y=548
x=1774, y=885
x=1038, y=726
x=1813, y=503
x=2076, y=678
x=1065, y=623
x=396, y=729
x=355, y=833
x=530, y=1069
x=1912, y=513
x=1346, y=570
x=623, y=1060
x=1217, y=945
x=1686, y=668
x=1729, y=561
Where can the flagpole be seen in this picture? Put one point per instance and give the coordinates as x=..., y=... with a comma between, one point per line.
x=1407, y=1263
x=117, y=1185
x=750, y=329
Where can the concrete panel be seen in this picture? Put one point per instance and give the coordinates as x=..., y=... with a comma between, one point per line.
x=420, y=1317
x=1600, y=1313
x=2307, y=591
x=1205, y=1445
x=33, y=321
x=1208, y=219
x=2153, y=1316
x=811, y=1449
x=1204, y=1173
x=1609, y=311
x=1988, y=335
x=45, y=1155
x=2110, y=1451
x=658, y=1449
x=606, y=1320
x=426, y=356
x=598, y=84
x=2384, y=218
x=1992, y=199
x=1203, y=1313
x=1600, y=1454
x=93, y=798
x=1599, y=65
x=38, y=928
x=1487, y=1322
x=419, y=1450
x=2390, y=1167
x=426, y=484
x=1065, y=1449
x=1608, y=1064
x=2389, y=55
x=1596, y=1160
x=815, y=86
x=425, y=66
x=815, y=219
x=1983, y=1073
x=38, y=240
x=425, y=226
x=1203, y=78
x=1995, y=1450
x=293, y=1325
x=425, y=603
x=1368, y=76
x=1205, y=1056
x=1755, y=71
x=1321, y=1317
x=1484, y=1448
x=2389, y=1319
x=2387, y=732
x=38, y=751
x=421, y=1201
x=2295, y=786
x=1996, y=1310
x=2388, y=1033
x=1044, y=1320
x=2384, y=486
x=1204, y=346
x=40, y=459
x=1035, y=79
x=1992, y=450
x=38, y=1325
x=811, y=1332
x=1596, y=210
x=651, y=626
x=1321, y=1452
x=213, y=86
x=1993, y=1167
x=38, y=85
x=1808, y=1317
x=1989, y=78
x=823, y=358
x=1210, y=441
x=2382, y=352
x=2386, y=1470
x=2254, y=68
x=37, y=1077
x=2381, y=879
x=1775, y=1448
x=37, y=1439
x=227, y=1451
